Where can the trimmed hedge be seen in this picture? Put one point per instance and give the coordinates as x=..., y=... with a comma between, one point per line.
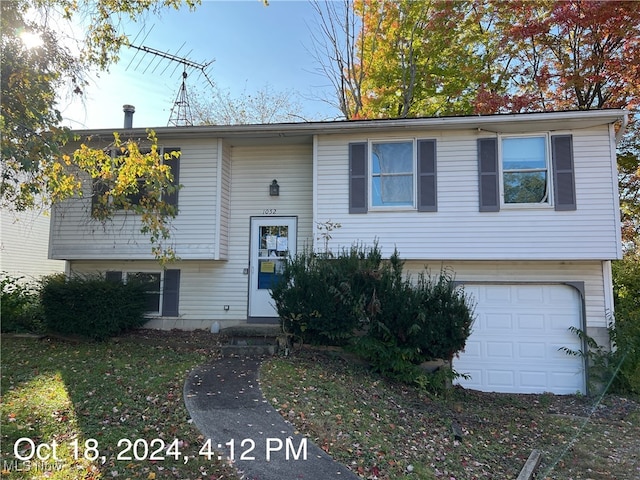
x=92, y=306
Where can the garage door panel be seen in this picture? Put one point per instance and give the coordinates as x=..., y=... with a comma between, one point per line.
x=498, y=322
x=557, y=353
x=496, y=296
x=533, y=323
x=529, y=295
x=473, y=349
x=533, y=380
x=499, y=350
x=532, y=350
x=475, y=380
x=516, y=339
x=500, y=378
x=565, y=295
x=560, y=322
x=564, y=383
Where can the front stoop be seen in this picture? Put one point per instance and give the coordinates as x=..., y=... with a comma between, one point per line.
x=250, y=340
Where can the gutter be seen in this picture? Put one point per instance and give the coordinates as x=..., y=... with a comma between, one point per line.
x=593, y=117
x=623, y=127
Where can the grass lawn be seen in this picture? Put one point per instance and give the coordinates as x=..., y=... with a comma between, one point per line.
x=107, y=394
x=388, y=431
x=97, y=398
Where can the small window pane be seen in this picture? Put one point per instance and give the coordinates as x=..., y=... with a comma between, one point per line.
x=525, y=187
x=523, y=153
x=152, y=280
x=153, y=302
x=394, y=190
x=392, y=157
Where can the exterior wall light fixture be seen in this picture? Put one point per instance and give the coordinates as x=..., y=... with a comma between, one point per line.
x=274, y=189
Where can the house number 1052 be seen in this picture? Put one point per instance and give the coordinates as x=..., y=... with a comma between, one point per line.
x=269, y=211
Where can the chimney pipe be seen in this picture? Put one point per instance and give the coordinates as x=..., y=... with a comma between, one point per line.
x=128, y=115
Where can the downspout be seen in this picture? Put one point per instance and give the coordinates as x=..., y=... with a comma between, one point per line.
x=623, y=127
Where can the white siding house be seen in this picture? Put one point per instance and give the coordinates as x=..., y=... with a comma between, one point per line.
x=522, y=207
x=24, y=245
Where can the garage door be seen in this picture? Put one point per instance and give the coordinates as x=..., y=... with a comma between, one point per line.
x=513, y=346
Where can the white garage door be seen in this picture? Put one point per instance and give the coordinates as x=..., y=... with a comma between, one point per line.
x=513, y=346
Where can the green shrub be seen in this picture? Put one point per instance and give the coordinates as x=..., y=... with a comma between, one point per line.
x=20, y=308
x=320, y=298
x=92, y=307
x=625, y=332
x=411, y=323
x=358, y=300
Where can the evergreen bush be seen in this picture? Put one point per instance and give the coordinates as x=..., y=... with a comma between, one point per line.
x=92, y=306
x=319, y=298
x=20, y=308
x=356, y=299
x=410, y=323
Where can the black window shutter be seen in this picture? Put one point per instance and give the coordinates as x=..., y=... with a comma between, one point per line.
x=488, y=175
x=427, y=181
x=358, y=177
x=170, y=293
x=174, y=163
x=113, y=276
x=564, y=184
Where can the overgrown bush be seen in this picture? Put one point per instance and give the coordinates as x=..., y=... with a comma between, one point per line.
x=92, y=306
x=20, y=309
x=358, y=300
x=625, y=332
x=320, y=298
x=410, y=323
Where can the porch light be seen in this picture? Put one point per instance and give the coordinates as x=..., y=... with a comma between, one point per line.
x=274, y=189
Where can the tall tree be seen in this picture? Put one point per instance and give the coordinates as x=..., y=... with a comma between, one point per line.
x=36, y=63
x=423, y=60
x=629, y=180
x=265, y=105
x=339, y=53
x=573, y=54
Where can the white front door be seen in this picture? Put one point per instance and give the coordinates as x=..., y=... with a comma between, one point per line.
x=273, y=239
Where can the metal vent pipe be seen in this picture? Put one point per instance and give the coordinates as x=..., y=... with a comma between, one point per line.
x=128, y=115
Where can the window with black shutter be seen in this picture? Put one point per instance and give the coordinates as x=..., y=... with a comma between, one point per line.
x=392, y=174
x=517, y=171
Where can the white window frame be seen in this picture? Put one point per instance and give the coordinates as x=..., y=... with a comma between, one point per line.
x=547, y=148
x=125, y=277
x=414, y=174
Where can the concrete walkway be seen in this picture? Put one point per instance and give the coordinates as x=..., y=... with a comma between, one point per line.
x=227, y=405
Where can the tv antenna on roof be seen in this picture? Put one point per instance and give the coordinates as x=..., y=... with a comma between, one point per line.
x=181, y=110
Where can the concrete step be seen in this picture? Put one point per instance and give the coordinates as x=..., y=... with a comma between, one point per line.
x=248, y=350
x=250, y=340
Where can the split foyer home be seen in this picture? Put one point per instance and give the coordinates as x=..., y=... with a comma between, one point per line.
x=522, y=207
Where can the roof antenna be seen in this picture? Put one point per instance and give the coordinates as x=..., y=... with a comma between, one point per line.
x=181, y=110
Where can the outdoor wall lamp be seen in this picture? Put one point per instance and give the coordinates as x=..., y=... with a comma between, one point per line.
x=274, y=189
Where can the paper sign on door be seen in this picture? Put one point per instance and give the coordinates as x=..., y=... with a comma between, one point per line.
x=282, y=244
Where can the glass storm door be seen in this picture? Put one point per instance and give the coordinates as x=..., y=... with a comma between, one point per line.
x=273, y=239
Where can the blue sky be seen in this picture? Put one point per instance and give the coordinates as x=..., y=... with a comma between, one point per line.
x=253, y=45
